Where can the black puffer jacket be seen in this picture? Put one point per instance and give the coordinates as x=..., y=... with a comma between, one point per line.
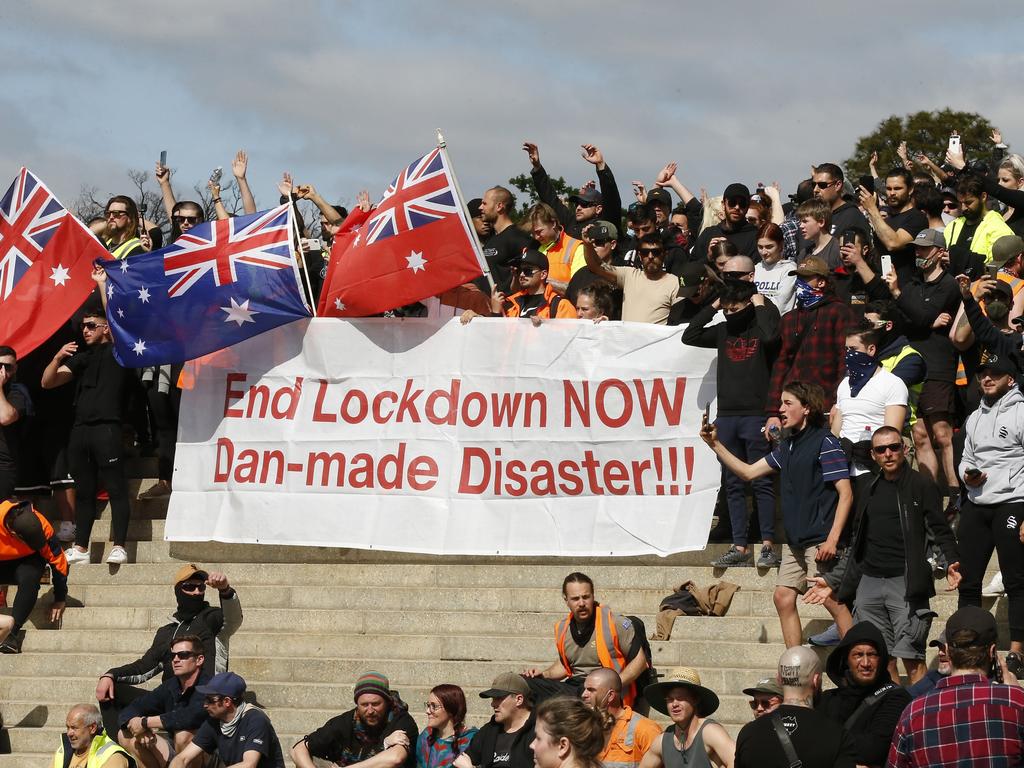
x=872, y=725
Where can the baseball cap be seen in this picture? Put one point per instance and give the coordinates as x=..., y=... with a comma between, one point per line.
x=976, y=620
x=930, y=238
x=736, y=190
x=939, y=641
x=474, y=207
x=223, y=684
x=505, y=684
x=1005, y=248
x=693, y=276
x=588, y=196
x=1003, y=287
x=190, y=571
x=769, y=686
x=660, y=196
x=533, y=258
x=812, y=266
x=997, y=364
x=600, y=231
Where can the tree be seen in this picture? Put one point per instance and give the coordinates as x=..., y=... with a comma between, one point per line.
x=524, y=183
x=926, y=132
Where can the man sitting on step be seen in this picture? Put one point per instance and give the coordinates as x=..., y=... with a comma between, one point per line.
x=84, y=743
x=194, y=616
x=378, y=733
x=629, y=735
x=588, y=638
x=504, y=741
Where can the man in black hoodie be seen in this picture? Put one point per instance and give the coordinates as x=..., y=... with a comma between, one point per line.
x=866, y=702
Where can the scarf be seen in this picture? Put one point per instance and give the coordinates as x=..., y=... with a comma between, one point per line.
x=228, y=729
x=369, y=741
x=807, y=297
x=860, y=366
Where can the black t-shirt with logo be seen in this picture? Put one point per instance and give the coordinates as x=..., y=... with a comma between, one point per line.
x=817, y=741
x=503, y=250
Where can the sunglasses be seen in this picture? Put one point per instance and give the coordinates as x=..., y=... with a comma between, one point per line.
x=193, y=586
x=186, y=219
x=7, y=366
x=949, y=204
x=583, y=204
x=736, y=275
x=528, y=271
x=212, y=699
x=89, y=325
x=183, y=655
x=737, y=202
x=115, y=214
x=824, y=184
x=879, y=450
x=651, y=251
x=756, y=704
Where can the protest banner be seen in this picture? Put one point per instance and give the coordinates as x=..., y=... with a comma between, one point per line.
x=499, y=437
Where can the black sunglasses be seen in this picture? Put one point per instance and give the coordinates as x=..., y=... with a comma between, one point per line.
x=651, y=251
x=824, y=184
x=189, y=219
x=183, y=655
x=878, y=450
x=8, y=366
x=736, y=274
x=92, y=326
x=193, y=586
x=528, y=271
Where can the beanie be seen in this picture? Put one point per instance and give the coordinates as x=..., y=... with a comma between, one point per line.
x=372, y=682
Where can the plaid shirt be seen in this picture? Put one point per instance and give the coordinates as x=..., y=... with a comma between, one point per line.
x=965, y=721
x=790, y=227
x=818, y=356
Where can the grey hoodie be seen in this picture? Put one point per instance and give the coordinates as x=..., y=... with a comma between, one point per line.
x=995, y=445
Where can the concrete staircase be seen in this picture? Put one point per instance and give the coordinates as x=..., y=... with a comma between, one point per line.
x=317, y=618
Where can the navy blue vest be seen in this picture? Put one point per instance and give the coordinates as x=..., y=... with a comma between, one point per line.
x=808, y=502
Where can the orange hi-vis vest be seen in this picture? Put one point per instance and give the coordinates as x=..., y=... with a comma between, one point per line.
x=13, y=548
x=1016, y=285
x=609, y=651
x=560, y=257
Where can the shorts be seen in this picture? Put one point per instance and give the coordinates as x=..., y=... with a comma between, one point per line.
x=881, y=600
x=798, y=565
x=60, y=472
x=937, y=397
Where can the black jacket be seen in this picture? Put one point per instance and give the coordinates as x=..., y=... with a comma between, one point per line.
x=873, y=724
x=178, y=710
x=481, y=748
x=919, y=500
x=611, y=202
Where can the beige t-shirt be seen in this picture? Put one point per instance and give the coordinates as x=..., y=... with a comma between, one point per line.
x=645, y=300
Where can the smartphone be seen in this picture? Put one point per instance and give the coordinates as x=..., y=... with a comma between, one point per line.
x=886, y=264
x=163, y=157
x=992, y=269
x=849, y=238
x=706, y=423
x=972, y=473
x=215, y=176
x=997, y=669
x=954, y=143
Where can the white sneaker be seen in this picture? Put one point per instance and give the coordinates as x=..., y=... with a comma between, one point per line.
x=995, y=587
x=117, y=556
x=75, y=555
x=67, y=530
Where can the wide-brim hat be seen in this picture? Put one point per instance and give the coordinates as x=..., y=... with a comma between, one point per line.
x=681, y=677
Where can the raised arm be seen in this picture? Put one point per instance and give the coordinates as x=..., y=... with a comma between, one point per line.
x=667, y=178
x=163, y=177
x=218, y=204
x=746, y=472
x=238, y=167
x=308, y=192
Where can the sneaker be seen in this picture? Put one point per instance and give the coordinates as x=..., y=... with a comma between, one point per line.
x=1015, y=665
x=995, y=587
x=66, y=531
x=769, y=558
x=825, y=639
x=117, y=555
x=76, y=555
x=159, y=490
x=13, y=642
x=733, y=558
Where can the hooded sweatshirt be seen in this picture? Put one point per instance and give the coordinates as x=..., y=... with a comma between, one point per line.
x=995, y=444
x=870, y=726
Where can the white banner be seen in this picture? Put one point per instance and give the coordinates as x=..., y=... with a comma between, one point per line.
x=495, y=438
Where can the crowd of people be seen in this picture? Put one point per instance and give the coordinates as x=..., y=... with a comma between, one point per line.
x=869, y=354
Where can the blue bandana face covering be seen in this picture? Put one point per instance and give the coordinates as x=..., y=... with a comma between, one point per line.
x=860, y=366
x=806, y=296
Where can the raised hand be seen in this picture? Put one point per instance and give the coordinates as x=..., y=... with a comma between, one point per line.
x=285, y=185
x=162, y=173
x=640, y=191
x=99, y=275
x=867, y=200
x=363, y=201
x=665, y=175
x=240, y=164
x=532, y=152
x=997, y=137
x=901, y=151
x=592, y=154
x=305, y=191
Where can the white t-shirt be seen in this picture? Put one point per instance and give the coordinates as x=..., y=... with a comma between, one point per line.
x=865, y=413
x=776, y=284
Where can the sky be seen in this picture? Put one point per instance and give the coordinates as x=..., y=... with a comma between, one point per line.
x=344, y=94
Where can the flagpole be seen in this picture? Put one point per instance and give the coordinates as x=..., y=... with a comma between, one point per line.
x=464, y=212
x=297, y=254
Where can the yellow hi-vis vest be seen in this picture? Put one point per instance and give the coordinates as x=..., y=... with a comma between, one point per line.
x=100, y=751
x=913, y=390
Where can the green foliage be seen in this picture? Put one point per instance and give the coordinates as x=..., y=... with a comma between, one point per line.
x=526, y=197
x=926, y=132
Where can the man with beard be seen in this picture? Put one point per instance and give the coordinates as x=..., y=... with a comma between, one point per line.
x=588, y=638
x=795, y=731
x=647, y=293
x=694, y=740
x=990, y=302
x=735, y=228
x=976, y=229
x=895, y=231
x=942, y=669
x=629, y=734
x=194, y=616
x=505, y=247
x=121, y=234
x=866, y=702
x=379, y=728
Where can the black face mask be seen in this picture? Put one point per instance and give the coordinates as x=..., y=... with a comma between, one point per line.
x=188, y=604
x=738, y=322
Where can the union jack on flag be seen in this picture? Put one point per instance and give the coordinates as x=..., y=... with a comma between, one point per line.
x=420, y=195
x=29, y=215
x=218, y=247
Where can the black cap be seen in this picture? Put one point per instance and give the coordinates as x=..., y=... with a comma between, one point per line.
x=660, y=196
x=588, y=196
x=474, y=207
x=978, y=621
x=999, y=364
x=533, y=258
x=736, y=190
x=693, y=276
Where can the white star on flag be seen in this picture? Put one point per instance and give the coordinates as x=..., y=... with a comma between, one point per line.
x=355, y=242
x=416, y=262
x=139, y=347
x=339, y=305
x=120, y=312
x=59, y=274
x=239, y=313
x=110, y=291
x=143, y=294
x=124, y=265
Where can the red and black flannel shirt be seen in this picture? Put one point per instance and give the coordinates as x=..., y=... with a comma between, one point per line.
x=966, y=721
x=814, y=356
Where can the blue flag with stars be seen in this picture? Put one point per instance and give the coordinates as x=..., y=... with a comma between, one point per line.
x=220, y=283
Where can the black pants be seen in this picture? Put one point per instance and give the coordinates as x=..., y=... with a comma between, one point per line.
x=164, y=408
x=95, y=452
x=8, y=479
x=542, y=688
x=982, y=529
x=24, y=572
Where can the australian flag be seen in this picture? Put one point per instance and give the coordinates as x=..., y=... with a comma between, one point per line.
x=216, y=285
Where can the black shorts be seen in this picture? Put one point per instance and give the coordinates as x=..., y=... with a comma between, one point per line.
x=937, y=398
